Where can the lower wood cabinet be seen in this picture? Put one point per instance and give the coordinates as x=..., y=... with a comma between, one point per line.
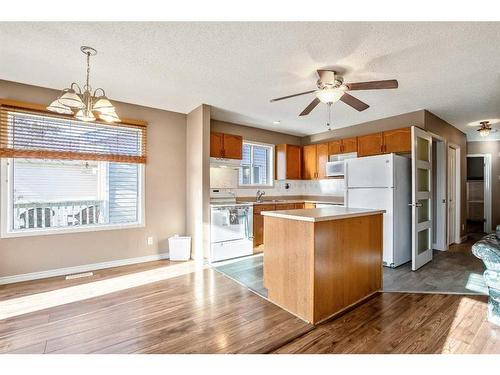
x=258, y=223
x=258, y=220
x=309, y=205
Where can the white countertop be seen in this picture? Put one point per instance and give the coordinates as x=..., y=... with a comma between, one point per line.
x=322, y=214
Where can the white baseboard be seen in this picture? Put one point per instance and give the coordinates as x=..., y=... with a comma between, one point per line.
x=78, y=269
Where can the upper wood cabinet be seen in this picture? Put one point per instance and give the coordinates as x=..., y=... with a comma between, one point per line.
x=309, y=162
x=397, y=140
x=335, y=147
x=322, y=159
x=350, y=145
x=216, y=144
x=288, y=162
x=227, y=146
x=342, y=146
x=314, y=160
x=370, y=144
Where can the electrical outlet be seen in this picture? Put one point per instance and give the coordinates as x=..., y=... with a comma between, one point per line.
x=150, y=241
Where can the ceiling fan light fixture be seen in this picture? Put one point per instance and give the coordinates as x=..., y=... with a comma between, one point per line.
x=329, y=95
x=485, y=129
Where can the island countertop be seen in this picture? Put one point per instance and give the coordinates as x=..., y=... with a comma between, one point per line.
x=322, y=214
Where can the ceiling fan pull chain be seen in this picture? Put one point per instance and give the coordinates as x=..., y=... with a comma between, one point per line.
x=329, y=109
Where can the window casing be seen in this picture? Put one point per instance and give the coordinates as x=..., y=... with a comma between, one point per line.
x=257, y=165
x=59, y=175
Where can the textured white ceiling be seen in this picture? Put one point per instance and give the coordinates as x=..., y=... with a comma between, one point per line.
x=451, y=69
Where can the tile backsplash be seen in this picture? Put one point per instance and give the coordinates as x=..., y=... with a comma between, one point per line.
x=227, y=178
x=334, y=187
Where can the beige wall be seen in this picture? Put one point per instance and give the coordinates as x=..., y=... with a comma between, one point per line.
x=400, y=121
x=492, y=148
x=198, y=180
x=254, y=134
x=165, y=199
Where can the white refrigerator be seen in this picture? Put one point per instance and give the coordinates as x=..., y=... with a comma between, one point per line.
x=384, y=182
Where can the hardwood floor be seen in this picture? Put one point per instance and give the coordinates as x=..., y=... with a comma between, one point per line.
x=406, y=323
x=199, y=312
x=206, y=312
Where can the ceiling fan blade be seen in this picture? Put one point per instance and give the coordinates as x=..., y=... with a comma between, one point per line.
x=373, y=85
x=310, y=107
x=354, y=102
x=326, y=76
x=291, y=96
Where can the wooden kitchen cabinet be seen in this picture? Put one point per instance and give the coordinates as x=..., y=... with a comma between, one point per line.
x=216, y=144
x=299, y=206
x=370, y=144
x=227, y=146
x=258, y=224
x=309, y=162
x=342, y=146
x=335, y=147
x=288, y=162
x=397, y=140
x=349, y=145
x=285, y=206
x=314, y=161
x=309, y=205
x=321, y=160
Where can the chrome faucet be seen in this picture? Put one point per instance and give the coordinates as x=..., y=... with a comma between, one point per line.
x=260, y=193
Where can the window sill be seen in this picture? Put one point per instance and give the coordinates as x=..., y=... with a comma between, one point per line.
x=65, y=230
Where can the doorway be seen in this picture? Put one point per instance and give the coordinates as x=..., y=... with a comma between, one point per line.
x=439, y=231
x=478, y=193
x=453, y=178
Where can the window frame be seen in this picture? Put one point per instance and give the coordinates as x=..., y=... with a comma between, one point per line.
x=270, y=185
x=6, y=197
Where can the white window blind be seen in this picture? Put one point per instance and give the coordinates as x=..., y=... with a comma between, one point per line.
x=28, y=134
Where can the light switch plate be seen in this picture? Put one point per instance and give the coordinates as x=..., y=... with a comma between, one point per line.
x=150, y=240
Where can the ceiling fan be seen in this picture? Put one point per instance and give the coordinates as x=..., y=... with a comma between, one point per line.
x=331, y=88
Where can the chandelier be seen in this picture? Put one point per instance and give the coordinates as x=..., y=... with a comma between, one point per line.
x=83, y=104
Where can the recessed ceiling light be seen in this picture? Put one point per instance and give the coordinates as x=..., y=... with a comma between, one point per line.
x=277, y=122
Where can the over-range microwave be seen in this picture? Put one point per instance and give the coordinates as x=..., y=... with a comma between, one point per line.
x=336, y=165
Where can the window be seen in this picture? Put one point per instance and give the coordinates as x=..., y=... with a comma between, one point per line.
x=64, y=175
x=256, y=165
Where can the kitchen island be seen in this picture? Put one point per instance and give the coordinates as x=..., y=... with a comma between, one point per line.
x=318, y=262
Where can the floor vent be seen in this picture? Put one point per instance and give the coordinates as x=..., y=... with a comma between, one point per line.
x=79, y=275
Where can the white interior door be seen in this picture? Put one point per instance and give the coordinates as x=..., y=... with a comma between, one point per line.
x=421, y=212
x=452, y=189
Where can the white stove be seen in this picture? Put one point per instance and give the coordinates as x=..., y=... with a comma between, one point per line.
x=231, y=226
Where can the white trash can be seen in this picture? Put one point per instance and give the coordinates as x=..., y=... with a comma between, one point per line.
x=179, y=248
